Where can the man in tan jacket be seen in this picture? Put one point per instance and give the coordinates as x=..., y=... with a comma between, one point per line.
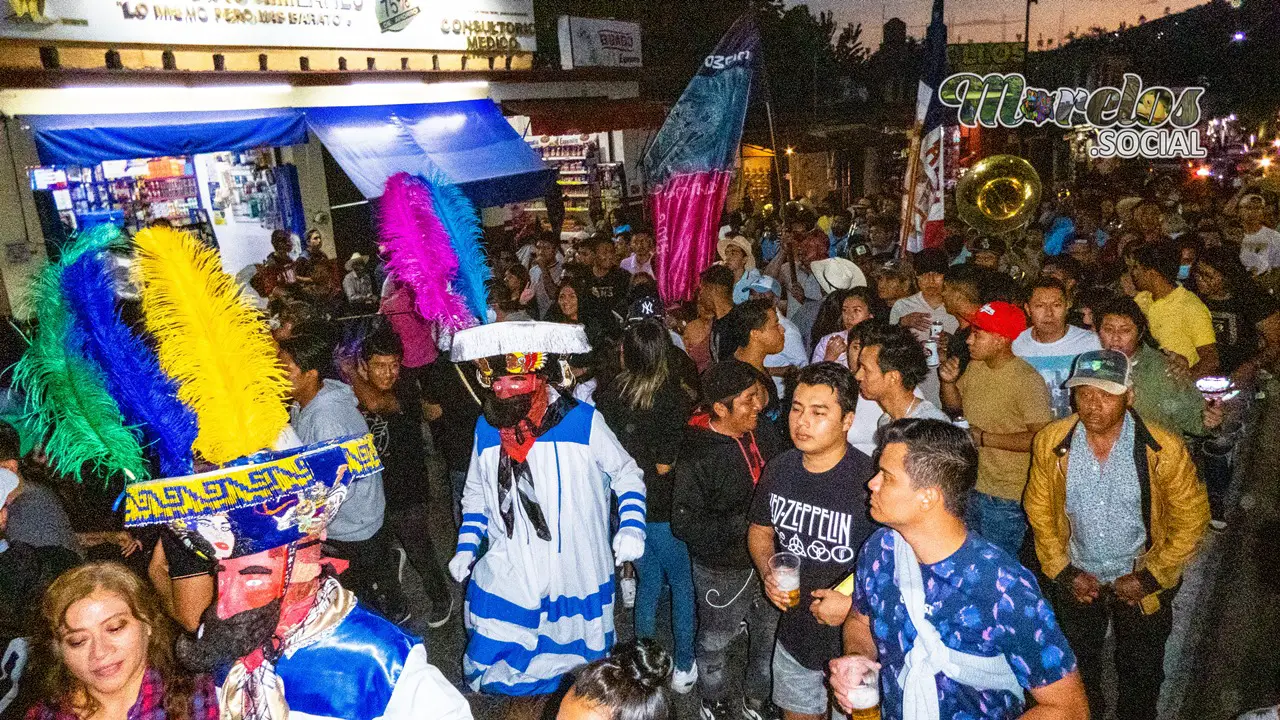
x=1117, y=512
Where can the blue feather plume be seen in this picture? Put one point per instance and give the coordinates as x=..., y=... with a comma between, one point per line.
x=147, y=397
x=462, y=225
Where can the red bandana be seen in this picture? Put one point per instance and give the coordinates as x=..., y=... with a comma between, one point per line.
x=517, y=441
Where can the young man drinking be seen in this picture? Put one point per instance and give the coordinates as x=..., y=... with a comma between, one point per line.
x=812, y=502
x=955, y=626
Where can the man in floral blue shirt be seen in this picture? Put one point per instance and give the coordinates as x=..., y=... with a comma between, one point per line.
x=958, y=627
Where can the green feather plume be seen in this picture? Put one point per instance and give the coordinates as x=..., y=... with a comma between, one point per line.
x=66, y=392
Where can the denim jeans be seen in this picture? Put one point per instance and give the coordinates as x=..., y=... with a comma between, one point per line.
x=1000, y=521
x=666, y=559
x=725, y=598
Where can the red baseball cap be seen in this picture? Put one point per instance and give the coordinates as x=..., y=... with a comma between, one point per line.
x=1000, y=318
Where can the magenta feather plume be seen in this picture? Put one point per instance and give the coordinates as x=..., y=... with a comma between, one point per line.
x=418, y=252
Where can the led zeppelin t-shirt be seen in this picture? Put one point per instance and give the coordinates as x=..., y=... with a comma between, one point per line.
x=824, y=518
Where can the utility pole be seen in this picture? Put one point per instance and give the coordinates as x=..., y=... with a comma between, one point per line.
x=1026, y=38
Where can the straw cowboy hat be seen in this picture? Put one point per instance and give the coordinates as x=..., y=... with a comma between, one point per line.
x=355, y=257
x=742, y=244
x=837, y=274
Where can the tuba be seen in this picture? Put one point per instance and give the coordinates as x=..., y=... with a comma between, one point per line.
x=998, y=195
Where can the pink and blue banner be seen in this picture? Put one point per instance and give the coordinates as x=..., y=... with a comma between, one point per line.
x=690, y=163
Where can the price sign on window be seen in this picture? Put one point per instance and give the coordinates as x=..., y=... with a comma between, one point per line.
x=394, y=15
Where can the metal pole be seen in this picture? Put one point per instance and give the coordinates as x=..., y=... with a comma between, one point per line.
x=1026, y=37
x=782, y=202
x=777, y=168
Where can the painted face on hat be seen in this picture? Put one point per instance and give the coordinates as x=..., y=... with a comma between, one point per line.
x=252, y=581
x=217, y=532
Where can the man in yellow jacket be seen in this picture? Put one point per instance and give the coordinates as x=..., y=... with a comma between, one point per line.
x=1117, y=512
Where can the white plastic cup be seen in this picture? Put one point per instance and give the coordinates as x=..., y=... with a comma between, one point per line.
x=785, y=567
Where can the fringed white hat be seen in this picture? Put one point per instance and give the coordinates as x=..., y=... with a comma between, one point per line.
x=528, y=336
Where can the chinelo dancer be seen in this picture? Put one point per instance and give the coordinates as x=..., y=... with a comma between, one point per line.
x=543, y=469
x=202, y=396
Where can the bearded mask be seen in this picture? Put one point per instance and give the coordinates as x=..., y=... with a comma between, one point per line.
x=512, y=399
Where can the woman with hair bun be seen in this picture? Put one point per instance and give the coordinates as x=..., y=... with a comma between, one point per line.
x=629, y=684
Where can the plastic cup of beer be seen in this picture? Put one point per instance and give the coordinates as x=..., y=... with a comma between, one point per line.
x=785, y=567
x=864, y=699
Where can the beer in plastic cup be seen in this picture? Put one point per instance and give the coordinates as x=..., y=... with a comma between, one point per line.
x=865, y=699
x=785, y=567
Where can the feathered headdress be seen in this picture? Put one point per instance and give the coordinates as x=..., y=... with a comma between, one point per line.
x=147, y=397
x=458, y=216
x=430, y=238
x=212, y=343
x=66, y=390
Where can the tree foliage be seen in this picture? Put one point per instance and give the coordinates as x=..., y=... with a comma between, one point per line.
x=810, y=61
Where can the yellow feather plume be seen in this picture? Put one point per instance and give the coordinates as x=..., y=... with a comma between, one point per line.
x=212, y=343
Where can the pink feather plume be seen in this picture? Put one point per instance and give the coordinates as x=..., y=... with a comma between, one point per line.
x=418, y=251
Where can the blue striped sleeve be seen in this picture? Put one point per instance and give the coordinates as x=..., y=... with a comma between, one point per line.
x=632, y=523
x=631, y=495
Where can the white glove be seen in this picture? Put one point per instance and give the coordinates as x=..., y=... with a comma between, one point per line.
x=460, y=565
x=628, y=545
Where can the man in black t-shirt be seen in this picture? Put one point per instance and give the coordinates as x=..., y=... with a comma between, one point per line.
x=392, y=406
x=607, y=284
x=812, y=502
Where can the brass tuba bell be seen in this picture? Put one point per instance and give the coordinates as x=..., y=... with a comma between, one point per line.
x=999, y=194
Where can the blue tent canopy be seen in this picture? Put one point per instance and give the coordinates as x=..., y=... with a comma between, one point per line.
x=469, y=141
x=91, y=139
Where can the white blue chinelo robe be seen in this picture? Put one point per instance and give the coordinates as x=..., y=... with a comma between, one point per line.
x=537, y=609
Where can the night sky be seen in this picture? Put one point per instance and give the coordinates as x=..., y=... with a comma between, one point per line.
x=980, y=20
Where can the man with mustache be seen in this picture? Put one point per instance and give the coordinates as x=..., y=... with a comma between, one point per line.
x=543, y=469
x=284, y=636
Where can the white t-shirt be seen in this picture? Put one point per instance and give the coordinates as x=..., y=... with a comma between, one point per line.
x=633, y=266
x=922, y=410
x=792, y=351
x=1260, y=251
x=916, y=303
x=1054, y=360
x=541, y=297
x=820, y=348
x=869, y=417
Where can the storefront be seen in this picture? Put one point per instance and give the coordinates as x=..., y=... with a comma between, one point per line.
x=245, y=137
x=229, y=187
x=595, y=146
x=224, y=175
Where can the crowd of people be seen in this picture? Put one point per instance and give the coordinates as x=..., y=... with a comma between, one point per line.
x=984, y=455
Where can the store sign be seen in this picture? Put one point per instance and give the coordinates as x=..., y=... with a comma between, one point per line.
x=1130, y=121
x=984, y=58
x=588, y=42
x=481, y=26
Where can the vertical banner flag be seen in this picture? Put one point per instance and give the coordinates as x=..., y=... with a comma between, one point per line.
x=689, y=164
x=925, y=188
